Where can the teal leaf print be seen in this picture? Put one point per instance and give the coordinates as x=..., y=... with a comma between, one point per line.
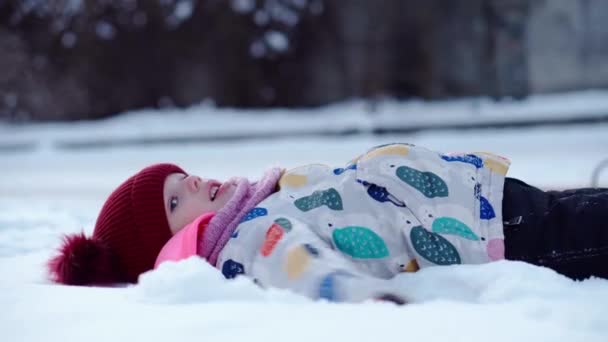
x=428, y=183
x=330, y=198
x=360, y=242
x=449, y=225
x=283, y=222
x=433, y=247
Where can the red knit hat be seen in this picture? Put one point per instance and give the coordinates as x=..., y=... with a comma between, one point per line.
x=129, y=233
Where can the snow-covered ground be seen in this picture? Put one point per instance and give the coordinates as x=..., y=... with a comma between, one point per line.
x=48, y=190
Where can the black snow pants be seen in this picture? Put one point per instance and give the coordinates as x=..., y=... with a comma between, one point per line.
x=566, y=231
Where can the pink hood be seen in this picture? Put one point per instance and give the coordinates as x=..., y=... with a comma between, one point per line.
x=184, y=244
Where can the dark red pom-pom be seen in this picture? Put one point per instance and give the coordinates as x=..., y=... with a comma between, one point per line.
x=82, y=261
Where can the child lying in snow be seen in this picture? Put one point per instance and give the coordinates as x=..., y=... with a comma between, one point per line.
x=340, y=233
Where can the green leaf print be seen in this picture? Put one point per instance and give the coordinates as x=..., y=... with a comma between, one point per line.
x=449, y=225
x=428, y=183
x=283, y=222
x=330, y=197
x=360, y=242
x=433, y=247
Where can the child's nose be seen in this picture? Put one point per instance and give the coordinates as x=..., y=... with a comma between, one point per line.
x=193, y=182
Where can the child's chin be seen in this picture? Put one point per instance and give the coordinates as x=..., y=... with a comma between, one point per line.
x=225, y=199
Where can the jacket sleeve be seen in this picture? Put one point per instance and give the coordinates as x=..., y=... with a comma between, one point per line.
x=293, y=257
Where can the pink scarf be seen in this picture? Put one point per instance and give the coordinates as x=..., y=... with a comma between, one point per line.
x=225, y=221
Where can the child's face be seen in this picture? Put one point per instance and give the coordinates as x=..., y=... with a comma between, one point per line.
x=188, y=197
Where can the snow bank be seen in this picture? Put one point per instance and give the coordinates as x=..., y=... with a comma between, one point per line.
x=195, y=281
x=206, y=123
x=503, y=301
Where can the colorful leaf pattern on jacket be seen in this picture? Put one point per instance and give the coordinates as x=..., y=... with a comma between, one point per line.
x=293, y=180
x=468, y=158
x=486, y=211
x=330, y=198
x=359, y=242
x=434, y=247
x=273, y=235
x=254, y=213
x=387, y=150
x=496, y=166
x=297, y=261
x=302, y=246
x=450, y=225
x=428, y=183
x=411, y=266
x=283, y=222
x=231, y=269
x=312, y=250
x=380, y=194
x=326, y=288
x=339, y=171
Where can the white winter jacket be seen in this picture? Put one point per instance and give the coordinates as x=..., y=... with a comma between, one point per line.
x=340, y=233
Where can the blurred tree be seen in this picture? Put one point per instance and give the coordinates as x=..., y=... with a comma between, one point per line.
x=73, y=59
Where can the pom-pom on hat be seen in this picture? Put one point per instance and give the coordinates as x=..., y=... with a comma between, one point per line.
x=130, y=231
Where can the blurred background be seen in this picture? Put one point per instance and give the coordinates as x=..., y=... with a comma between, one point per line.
x=91, y=91
x=77, y=59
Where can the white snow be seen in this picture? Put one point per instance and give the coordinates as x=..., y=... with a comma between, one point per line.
x=49, y=190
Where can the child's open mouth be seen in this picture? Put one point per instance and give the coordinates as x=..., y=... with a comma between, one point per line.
x=214, y=191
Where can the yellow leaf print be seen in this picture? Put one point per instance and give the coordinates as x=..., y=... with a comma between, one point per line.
x=412, y=266
x=400, y=150
x=293, y=180
x=495, y=162
x=297, y=262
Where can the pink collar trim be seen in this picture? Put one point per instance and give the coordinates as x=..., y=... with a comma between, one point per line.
x=184, y=244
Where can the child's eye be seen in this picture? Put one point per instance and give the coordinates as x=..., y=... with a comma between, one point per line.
x=172, y=203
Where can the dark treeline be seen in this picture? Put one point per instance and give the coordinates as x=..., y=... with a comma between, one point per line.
x=73, y=59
